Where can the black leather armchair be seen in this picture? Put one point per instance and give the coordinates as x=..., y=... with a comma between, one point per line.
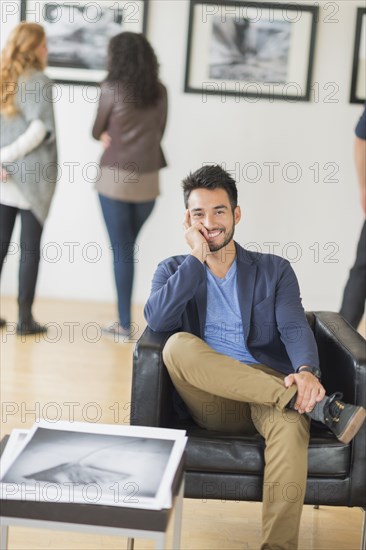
x=230, y=467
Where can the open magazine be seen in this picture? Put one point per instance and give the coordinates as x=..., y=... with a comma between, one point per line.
x=127, y=466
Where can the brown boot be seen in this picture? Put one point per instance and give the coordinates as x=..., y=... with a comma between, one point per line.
x=343, y=419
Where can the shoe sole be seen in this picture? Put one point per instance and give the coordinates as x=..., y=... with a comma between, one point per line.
x=354, y=424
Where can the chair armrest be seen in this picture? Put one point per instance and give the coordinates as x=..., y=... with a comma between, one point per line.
x=342, y=353
x=152, y=389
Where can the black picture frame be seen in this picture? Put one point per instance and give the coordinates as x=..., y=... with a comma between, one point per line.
x=236, y=35
x=70, y=60
x=358, y=80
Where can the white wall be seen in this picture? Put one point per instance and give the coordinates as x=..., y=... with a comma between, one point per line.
x=319, y=217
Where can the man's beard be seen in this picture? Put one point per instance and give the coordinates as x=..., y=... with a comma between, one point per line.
x=216, y=247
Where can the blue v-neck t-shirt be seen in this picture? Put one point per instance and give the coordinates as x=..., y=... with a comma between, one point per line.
x=224, y=325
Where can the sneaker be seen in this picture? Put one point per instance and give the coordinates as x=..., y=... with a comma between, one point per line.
x=30, y=327
x=117, y=332
x=343, y=419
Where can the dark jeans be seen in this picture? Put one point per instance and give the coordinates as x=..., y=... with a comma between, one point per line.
x=30, y=238
x=353, y=304
x=124, y=221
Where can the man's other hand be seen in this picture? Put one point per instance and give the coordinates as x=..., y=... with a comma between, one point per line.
x=309, y=390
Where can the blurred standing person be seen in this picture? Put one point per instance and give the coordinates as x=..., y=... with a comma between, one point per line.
x=354, y=296
x=28, y=157
x=130, y=123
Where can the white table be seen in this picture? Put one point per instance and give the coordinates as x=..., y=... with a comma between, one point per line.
x=99, y=519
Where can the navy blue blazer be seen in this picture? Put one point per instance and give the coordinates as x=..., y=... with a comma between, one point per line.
x=276, y=331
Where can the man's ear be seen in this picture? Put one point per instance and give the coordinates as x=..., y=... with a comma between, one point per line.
x=237, y=215
x=187, y=218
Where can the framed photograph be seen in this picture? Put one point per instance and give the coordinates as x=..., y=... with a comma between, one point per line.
x=78, y=33
x=358, y=82
x=254, y=49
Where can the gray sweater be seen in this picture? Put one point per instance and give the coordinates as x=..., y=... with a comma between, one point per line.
x=36, y=173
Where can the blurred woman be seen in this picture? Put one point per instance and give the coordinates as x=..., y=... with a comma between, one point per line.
x=28, y=157
x=130, y=123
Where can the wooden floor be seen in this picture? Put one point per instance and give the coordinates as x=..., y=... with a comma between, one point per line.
x=73, y=363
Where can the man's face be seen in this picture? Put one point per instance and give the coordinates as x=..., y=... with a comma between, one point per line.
x=212, y=209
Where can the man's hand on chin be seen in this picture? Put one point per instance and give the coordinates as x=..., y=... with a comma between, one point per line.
x=195, y=237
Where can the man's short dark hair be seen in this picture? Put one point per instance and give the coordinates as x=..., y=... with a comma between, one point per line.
x=210, y=177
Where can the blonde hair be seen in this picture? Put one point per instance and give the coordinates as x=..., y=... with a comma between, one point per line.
x=18, y=56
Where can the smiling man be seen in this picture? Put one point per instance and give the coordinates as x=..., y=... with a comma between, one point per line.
x=245, y=358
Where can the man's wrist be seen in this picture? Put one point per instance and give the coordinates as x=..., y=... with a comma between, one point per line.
x=199, y=253
x=315, y=371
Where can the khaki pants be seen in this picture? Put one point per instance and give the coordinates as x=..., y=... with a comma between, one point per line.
x=224, y=394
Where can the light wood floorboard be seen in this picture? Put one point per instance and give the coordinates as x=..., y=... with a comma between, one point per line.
x=40, y=375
